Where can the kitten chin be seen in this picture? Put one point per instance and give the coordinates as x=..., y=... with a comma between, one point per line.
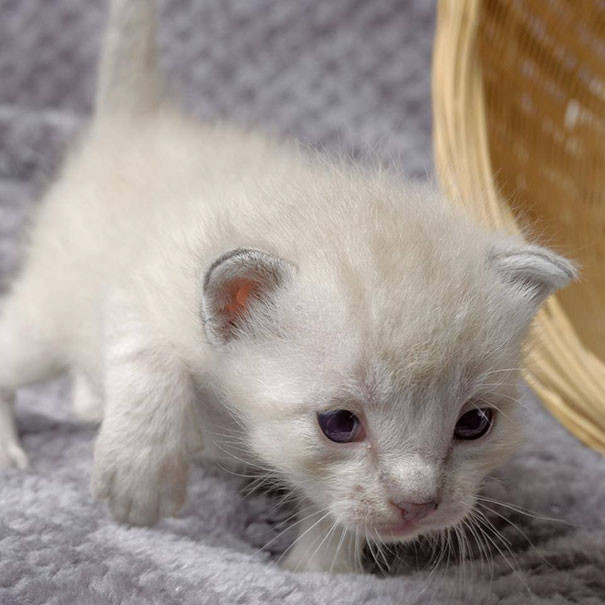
x=214, y=289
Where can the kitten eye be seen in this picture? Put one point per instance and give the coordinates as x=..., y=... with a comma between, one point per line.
x=474, y=424
x=340, y=426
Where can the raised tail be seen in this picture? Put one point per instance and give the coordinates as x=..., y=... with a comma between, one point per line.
x=128, y=81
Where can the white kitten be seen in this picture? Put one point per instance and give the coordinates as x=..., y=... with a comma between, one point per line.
x=352, y=331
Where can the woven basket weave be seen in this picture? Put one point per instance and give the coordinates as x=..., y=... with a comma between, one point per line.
x=519, y=135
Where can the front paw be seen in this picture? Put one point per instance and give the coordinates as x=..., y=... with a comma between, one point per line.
x=11, y=453
x=139, y=487
x=12, y=456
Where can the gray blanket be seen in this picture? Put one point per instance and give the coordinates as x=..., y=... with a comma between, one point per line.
x=349, y=76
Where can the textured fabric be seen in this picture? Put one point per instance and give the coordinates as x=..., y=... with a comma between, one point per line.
x=348, y=75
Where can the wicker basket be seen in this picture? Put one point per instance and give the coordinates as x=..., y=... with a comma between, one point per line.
x=519, y=110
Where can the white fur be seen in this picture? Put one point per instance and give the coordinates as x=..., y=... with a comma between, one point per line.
x=398, y=309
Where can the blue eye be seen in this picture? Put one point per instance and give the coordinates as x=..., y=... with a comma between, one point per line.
x=474, y=424
x=340, y=426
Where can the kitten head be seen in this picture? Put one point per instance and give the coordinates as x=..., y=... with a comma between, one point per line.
x=381, y=383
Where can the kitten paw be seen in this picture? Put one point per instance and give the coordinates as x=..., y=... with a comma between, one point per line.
x=141, y=489
x=11, y=452
x=12, y=456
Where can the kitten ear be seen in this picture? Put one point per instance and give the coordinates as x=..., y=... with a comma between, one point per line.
x=537, y=270
x=237, y=288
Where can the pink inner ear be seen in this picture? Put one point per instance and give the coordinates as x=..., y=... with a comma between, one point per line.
x=238, y=297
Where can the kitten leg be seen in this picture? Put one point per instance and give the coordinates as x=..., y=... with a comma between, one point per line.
x=87, y=400
x=149, y=429
x=25, y=357
x=322, y=546
x=11, y=453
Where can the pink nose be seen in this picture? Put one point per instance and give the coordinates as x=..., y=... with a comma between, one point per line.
x=415, y=511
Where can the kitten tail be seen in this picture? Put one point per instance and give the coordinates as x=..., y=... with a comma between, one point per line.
x=128, y=83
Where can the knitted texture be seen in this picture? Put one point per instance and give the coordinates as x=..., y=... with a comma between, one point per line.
x=351, y=76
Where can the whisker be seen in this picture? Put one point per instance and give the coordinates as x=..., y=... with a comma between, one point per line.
x=474, y=533
x=489, y=526
x=515, y=526
x=480, y=516
x=379, y=551
x=478, y=532
x=500, y=371
x=303, y=534
x=342, y=537
x=358, y=551
x=525, y=511
x=241, y=460
x=290, y=527
x=437, y=541
x=281, y=523
x=326, y=537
